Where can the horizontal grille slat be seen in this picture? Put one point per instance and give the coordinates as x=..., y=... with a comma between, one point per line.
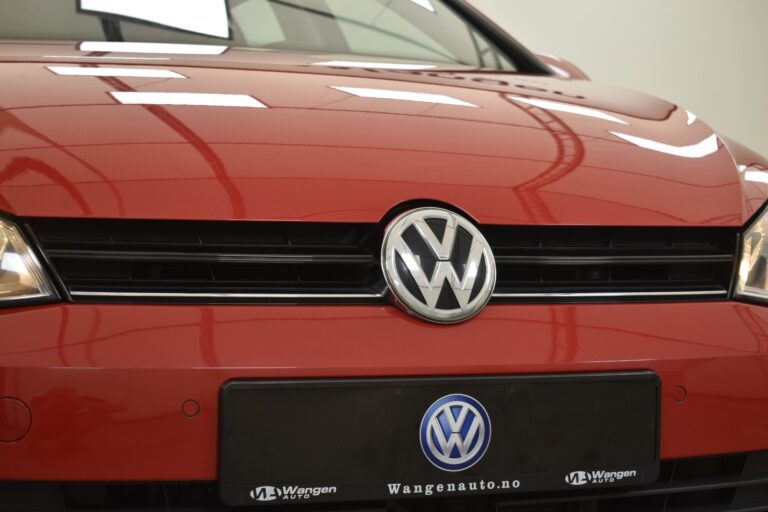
x=191, y=257
x=582, y=263
x=614, y=260
x=172, y=261
x=191, y=261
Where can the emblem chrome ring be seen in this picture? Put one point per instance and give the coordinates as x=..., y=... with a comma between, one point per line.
x=420, y=253
x=455, y=432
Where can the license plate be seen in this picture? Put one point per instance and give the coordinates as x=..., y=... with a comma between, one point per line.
x=374, y=439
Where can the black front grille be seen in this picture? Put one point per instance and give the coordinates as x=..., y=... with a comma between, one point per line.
x=733, y=483
x=186, y=261
x=604, y=263
x=212, y=261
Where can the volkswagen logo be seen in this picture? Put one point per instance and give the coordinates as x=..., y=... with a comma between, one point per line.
x=455, y=432
x=438, y=265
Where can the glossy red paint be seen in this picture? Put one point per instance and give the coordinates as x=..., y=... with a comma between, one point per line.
x=753, y=173
x=106, y=383
x=317, y=154
x=107, y=386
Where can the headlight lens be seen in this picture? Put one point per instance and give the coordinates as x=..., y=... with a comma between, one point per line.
x=753, y=268
x=21, y=276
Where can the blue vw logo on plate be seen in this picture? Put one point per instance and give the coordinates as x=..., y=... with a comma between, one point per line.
x=455, y=432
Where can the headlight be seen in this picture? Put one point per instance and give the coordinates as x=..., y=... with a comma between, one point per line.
x=21, y=276
x=753, y=268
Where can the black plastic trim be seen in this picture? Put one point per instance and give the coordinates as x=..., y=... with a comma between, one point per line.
x=721, y=482
x=210, y=257
x=614, y=260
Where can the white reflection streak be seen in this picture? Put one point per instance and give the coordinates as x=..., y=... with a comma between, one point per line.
x=187, y=99
x=569, y=108
x=169, y=48
x=102, y=58
x=426, y=4
x=756, y=176
x=13, y=263
x=115, y=72
x=373, y=65
x=691, y=117
x=419, y=97
x=704, y=148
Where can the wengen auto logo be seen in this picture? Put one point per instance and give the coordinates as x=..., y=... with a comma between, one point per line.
x=289, y=492
x=577, y=478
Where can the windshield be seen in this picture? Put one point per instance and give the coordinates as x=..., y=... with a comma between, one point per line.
x=422, y=30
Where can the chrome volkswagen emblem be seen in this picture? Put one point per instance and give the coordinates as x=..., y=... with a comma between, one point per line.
x=455, y=432
x=438, y=265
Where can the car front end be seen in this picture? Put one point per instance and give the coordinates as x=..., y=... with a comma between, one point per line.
x=233, y=277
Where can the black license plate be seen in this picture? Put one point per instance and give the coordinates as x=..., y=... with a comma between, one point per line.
x=373, y=439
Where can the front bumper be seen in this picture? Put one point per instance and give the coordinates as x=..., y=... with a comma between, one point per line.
x=112, y=388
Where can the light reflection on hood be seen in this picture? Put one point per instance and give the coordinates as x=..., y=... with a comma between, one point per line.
x=188, y=99
x=569, y=108
x=101, y=57
x=374, y=65
x=115, y=72
x=420, y=97
x=701, y=149
x=753, y=173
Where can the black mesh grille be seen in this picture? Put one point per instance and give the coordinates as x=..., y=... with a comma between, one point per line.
x=185, y=261
x=735, y=483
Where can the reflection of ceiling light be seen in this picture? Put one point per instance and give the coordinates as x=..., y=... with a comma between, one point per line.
x=189, y=99
x=66, y=57
x=208, y=17
x=115, y=72
x=425, y=4
x=373, y=65
x=13, y=263
x=691, y=117
x=756, y=176
x=181, y=49
x=387, y=94
x=704, y=148
x=569, y=108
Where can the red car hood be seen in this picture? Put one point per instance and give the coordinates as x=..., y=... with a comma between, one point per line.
x=338, y=144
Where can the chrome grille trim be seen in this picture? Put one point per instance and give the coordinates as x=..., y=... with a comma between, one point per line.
x=698, y=293
x=211, y=257
x=174, y=295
